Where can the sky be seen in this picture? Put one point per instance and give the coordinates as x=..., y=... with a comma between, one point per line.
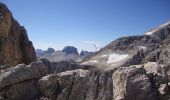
x=85, y=23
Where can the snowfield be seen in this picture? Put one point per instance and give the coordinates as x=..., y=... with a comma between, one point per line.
x=94, y=61
x=116, y=57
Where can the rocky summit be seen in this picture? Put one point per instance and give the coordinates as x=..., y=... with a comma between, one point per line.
x=15, y=46
x=129, y=68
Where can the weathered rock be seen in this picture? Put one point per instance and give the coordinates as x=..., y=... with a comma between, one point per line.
x=15, y=46
x=131, y=83
x=163, y=89
x=49, y=86
x=22, y=73
x=26, y=90
x=85, y=85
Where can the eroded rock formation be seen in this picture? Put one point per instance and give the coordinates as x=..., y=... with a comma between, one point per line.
x=15, y=46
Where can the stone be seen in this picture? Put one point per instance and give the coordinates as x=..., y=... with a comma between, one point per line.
x=163, y=89
x=132, y=83
x=26, y=90
x=22, y=73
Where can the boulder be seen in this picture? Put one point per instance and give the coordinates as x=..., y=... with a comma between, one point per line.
x=132, y=83
x=22, y=73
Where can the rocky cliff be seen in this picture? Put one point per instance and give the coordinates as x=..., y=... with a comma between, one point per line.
x=15, y=46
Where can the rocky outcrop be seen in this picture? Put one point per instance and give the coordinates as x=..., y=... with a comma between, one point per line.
x=132, y=83
x=39, y=78
x=15, y=46
x=43, y=80
x=70, y=50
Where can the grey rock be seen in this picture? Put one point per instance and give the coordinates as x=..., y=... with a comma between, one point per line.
x=22, y=73
x=26, y=90
x=132, y=83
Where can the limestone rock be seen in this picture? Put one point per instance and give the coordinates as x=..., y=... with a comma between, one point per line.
x=15, y=46
x=22, y=73
x=131, y=83
x=26, y=90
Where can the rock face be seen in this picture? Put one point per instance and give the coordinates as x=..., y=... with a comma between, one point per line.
x=15, y=47
x=70, y=50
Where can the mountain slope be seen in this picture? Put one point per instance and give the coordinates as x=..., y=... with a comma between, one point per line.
x=130, y=50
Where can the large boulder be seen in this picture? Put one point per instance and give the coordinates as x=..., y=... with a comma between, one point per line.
x=132, y=83
x=15, y=46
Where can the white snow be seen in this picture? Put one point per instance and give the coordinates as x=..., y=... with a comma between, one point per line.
x=104, y=56
x=94, y=61
x=116, y=57
x=165, y=24
x=142, y=47
x=150, y=32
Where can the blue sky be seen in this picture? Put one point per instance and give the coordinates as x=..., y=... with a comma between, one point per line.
x=81, y=23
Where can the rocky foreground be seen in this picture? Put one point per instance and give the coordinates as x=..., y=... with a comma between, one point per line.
x=43, y=80
x=129, y=68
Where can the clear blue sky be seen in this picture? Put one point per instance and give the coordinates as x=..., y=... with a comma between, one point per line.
x=57, y=23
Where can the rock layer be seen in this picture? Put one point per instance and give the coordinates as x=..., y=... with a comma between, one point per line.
x=15, y=46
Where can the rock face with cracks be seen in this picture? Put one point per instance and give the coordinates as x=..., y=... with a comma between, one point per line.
x=15, y=47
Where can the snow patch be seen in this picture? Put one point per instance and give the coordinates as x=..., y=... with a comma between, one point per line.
x=142, y=47
x=94, y=61
x=116, y=57
x=165, y=24
x=150, y=32
x=104, y=56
